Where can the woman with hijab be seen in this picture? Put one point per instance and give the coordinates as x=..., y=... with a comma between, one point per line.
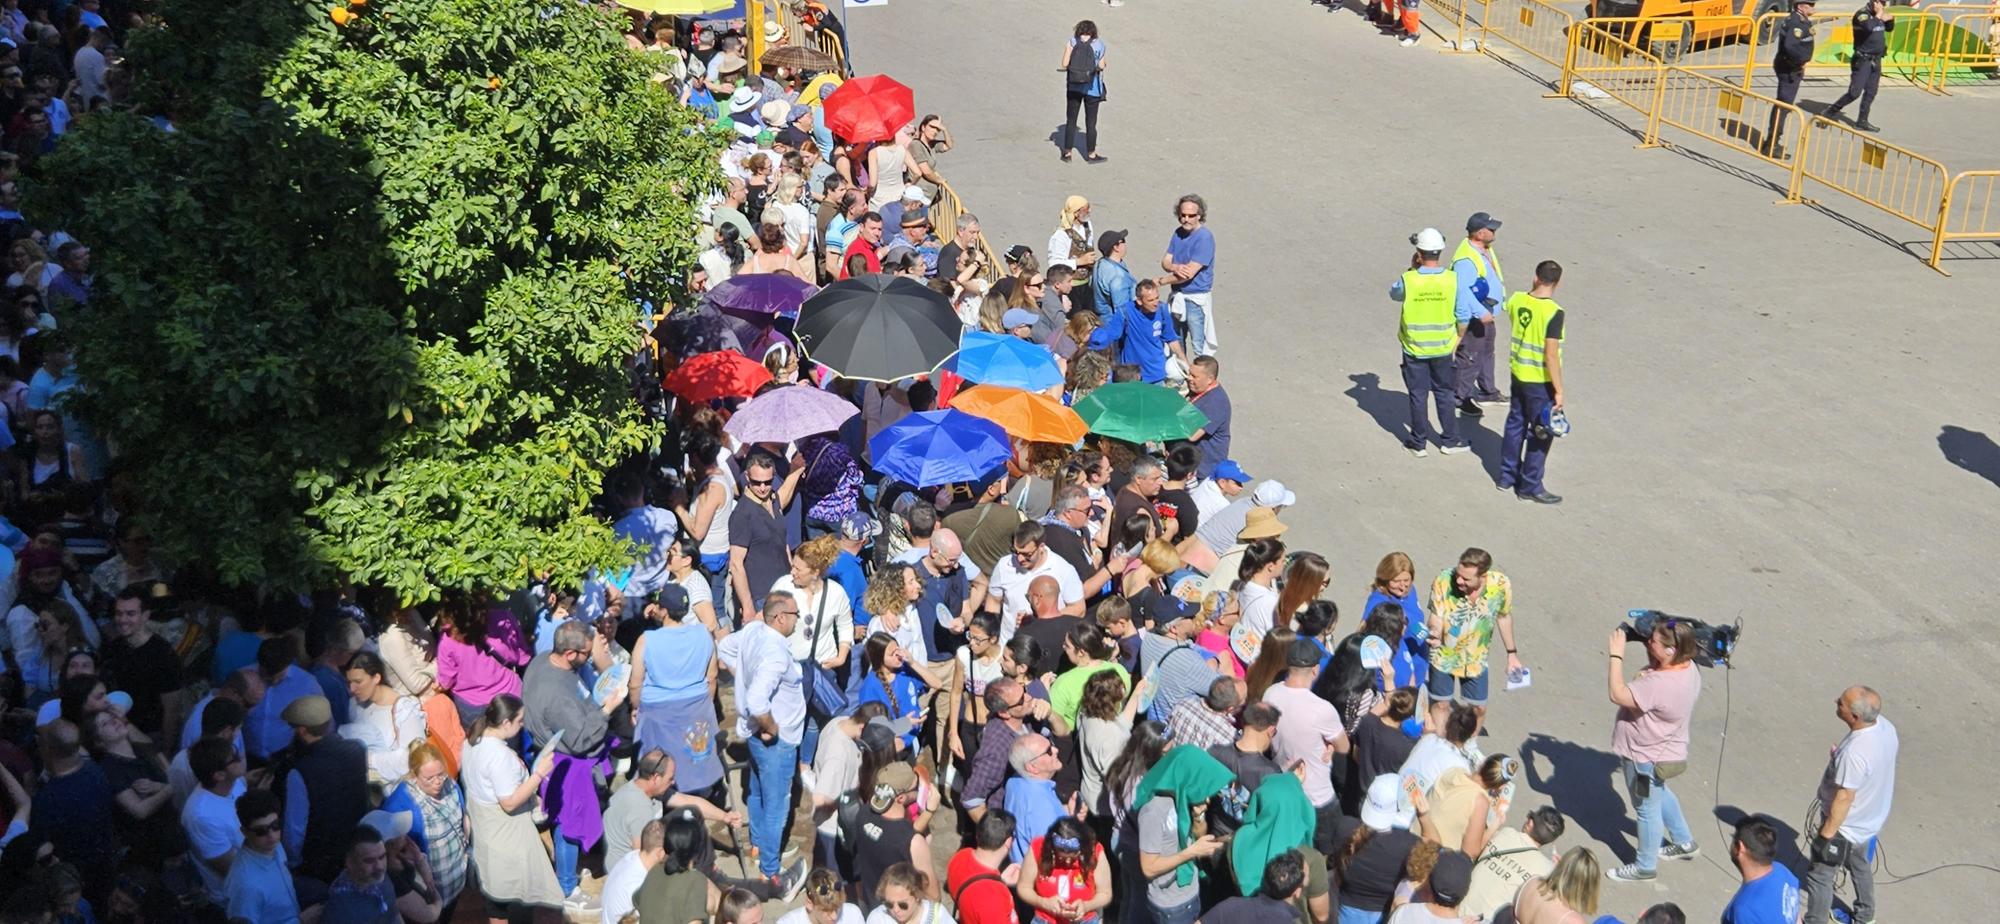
x=1074, y=239
x=1279, y=818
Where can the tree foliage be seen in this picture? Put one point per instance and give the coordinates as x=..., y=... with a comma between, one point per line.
x=362, y=312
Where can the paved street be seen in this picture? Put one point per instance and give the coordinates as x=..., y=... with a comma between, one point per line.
x=1772, y=421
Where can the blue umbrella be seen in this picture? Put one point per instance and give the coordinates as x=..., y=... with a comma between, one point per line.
x=1004, y=359
x=939, y=447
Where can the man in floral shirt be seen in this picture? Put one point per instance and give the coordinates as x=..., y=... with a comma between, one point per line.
x=1467, y=603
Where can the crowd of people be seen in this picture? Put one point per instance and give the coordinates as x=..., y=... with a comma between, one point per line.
x=1097, y=666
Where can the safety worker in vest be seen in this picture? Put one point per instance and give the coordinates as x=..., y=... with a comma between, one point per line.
x=1430, y=330
x=1480, y=290
x=1872, y=26
x=1534, y=357
x=1795, y=50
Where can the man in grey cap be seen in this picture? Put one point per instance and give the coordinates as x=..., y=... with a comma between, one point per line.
x=1480, y=290
x=326, y=789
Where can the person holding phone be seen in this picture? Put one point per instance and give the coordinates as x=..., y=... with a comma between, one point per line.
x=1650, y=737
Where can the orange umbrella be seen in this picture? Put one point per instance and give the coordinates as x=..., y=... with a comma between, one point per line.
x=1025, y=415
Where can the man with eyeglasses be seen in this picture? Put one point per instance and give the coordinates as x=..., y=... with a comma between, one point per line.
x=259, y=886
x=1031, y=793
x=555, y=702
x=1190, y=266
x=1012, y=575
x=758, y=552
x=771, y=716
x=1008, y=707
x=1066, y=531
x=214, y=831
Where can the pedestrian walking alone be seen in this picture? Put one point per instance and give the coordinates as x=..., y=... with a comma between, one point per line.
x=1534, y=359
x=1795, y=50
x=1429, y=332
x=1871, y=41
x=1083, y=74
x=1480, y=290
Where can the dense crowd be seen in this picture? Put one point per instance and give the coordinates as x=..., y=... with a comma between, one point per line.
x=1094, y=664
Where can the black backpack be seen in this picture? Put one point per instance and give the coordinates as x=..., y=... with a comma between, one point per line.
x=1082, y=64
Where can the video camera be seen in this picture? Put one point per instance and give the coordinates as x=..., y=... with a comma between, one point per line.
x=1713, y=644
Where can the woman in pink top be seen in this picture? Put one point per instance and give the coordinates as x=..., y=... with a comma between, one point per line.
x=478, y=652
x=1650, y=738
x=1219, y=612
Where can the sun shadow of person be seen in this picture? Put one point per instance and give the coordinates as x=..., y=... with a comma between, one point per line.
x=1580, y=783
x=1391, y=409
x=1971, y=450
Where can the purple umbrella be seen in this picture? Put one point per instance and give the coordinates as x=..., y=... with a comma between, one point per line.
x=786, y=414
x=762, y=295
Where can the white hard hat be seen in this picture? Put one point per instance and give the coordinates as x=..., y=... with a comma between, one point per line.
x=1429, y=240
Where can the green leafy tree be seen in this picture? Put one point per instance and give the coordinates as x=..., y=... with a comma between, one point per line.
x=363, y=312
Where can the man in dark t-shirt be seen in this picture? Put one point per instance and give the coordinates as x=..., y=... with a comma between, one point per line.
x=1249, y=759
x=758, y=553
x=139, y=662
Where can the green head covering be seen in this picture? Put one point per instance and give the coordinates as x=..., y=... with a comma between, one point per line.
x=1190, y=777
x=1279, y=818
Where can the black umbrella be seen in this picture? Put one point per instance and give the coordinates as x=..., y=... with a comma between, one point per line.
x=878, y=328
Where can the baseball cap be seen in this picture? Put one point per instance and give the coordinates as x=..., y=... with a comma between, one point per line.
x=390, y=825
x=1380, y=811
x=1303, y=654
x=879, y=736
x=893, y=780
x=915, y=193
x=1273, y=494
x=308, y=712
x=1450, y=878
x=791, y=137
x=1480, y=221
x=1017, y=317
x=858, y=527
x=1232, y=471
x=1108, y=240
x=674, y=598
x=1018, y=252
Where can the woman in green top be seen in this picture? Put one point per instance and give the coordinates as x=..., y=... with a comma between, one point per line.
x=1091, y=652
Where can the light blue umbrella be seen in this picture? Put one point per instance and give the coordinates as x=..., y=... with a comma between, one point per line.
x=1004, y=359
x=939, y=447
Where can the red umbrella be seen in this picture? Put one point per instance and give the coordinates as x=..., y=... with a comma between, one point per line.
x=721, y=374
x=870, y=108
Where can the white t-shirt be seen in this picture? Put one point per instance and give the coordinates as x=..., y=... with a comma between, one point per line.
x=1260, y=606
x=696, y=584
x=930, y=913
x=977, y=673
x=1865, y=762
x=848, y=915
x=490, y=770
x=1428, y=761
x=1011, y=584
x=212, y=831
x=838, y=614
x=909, y=633
x=624, y=879
x=836, y=769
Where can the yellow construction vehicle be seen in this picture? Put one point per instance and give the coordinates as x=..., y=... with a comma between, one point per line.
x=1671, y=29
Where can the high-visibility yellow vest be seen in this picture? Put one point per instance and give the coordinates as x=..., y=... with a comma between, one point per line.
x=1529, y=316
x=1468, y=252
x=1430, y=324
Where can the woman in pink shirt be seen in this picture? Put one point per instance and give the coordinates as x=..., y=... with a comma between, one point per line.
x=1650, y=738
x=479, y=652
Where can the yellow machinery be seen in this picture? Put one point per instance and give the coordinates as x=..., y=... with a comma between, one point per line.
x=1671, y=29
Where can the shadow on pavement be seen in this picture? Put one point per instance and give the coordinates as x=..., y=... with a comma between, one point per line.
x=1789, y=855
x=1578, y=782
x=1484, y=439
x=1971, y=450
x=1391, y=409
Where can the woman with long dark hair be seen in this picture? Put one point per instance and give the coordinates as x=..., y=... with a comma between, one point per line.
x=1083, y=84
x=705, y=516
x=384, y=721
x=1090, y=652
x=891, y=682
x=1304, y=580
x=474, y=664
x=1256, y=581
x=1121, y=784
x=515, y=874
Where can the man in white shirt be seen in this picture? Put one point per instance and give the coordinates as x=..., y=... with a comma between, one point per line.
x=1213, y=493
x=771, y=716
x=1854, y=797
x=625, y=875
x=1007, y=593
x=209, y=818
x=89, y=66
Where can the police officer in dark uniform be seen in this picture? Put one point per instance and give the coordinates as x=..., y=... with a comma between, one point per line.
x=1795, y=50
x=1871, y=42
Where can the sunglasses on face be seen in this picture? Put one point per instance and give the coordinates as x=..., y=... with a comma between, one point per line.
x=901, y=906
x=763, y=483
x=261, y=830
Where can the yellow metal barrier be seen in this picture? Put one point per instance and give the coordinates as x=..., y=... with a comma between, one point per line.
x=1971, y=209
x=1615, y=66
x=1831, y=29
x=1454, y=13
x=1719, y=44
x=830, y=43
x=1530, y=26
x=1731, y=116
x=1969, y=40
x=1896, y=180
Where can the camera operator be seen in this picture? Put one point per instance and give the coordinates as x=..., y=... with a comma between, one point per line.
x=1854, y=800
x=1650, y=738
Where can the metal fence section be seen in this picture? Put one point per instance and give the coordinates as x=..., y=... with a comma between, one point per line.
x=1616, y=67
x=1967, y=47
x=1896, y=180
x=1454, y=14
x=1529, y=26
x=1708, y=44
x=1971, y=211
x=1739, y=119
x=1917, y=33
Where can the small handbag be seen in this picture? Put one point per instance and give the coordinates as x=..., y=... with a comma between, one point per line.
x=824, y=693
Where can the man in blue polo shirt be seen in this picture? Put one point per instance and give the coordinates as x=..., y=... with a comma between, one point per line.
x=1770, y=893
x=1143, y=333
x=1190, y=264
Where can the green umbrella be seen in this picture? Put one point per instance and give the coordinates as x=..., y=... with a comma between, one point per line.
x=1138, y=412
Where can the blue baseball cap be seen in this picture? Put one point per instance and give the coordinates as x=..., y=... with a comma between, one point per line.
x=1232, y=471
x=1017, y=317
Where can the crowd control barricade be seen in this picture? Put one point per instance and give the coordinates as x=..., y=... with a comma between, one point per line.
x=1967, y=45
x=830, y=43
x=1452, y=27
x=1970, y=211
x=1532, y=27
x=1910, y=46
x=1741, y=120
x=1616, y=67
x=1706, y=44
x=1895, y=180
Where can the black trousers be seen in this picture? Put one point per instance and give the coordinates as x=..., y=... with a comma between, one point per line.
x=1089, y=106
x=1788, y=92
x=1862, y=82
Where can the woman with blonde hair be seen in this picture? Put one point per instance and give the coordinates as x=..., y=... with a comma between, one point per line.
x=1089, y=370
x=439, y=825
x=825, y=631
x=1467, y=809
x=992, y=308
x=1567, y=895
x=824, y=901
x=1068, y=341
x=797, y=218
x=1074, y=239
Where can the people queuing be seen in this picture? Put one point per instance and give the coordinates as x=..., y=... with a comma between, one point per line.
x=1095, y=663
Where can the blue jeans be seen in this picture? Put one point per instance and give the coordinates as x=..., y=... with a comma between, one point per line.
x=567, y=852
x=769, y=799
x=1518, y=470
x=1350, y=915
x=1431, y=379
x=1660, y=805
x=1186, y=912
x=1194, y=328
x=717, y=569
